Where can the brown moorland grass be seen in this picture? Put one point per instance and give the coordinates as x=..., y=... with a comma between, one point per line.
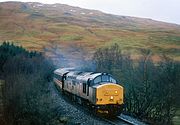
x=37, y=27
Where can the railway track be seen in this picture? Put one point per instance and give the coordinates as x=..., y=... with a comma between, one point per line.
x=115, y=121
x=131, y=120
x=119, y=120
x=123, y=120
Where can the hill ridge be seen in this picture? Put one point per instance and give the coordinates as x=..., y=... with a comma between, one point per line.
x=36, y=26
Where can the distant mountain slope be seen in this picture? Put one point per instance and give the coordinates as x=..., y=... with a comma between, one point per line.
x=36, y=26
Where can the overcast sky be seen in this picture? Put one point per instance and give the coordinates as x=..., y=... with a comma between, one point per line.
x=162, y=10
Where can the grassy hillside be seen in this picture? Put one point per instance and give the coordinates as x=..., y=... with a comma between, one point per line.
x=36, y=26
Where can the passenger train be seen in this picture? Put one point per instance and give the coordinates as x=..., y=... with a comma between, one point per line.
x=99, y=91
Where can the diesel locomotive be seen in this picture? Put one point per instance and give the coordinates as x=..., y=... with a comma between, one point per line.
x=99, y=91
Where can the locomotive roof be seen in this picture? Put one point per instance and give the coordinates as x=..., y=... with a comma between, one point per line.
x=79, y=75
x=83, y=76
x=88, y=75
x=62, y=71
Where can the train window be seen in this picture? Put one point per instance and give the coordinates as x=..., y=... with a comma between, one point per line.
x=98, y=79
x=73, y=82
x=84, y=88
x=88, y=90
x=88, y=84
x=60, y=78
x=112, y=80
x=105, y=78
x=57, y=76
x=67, y=85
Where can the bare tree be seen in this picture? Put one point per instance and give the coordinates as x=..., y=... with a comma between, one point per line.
x=151, y=89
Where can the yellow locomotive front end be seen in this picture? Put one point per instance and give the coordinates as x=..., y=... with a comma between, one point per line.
x=108, y=94
x=109, y=98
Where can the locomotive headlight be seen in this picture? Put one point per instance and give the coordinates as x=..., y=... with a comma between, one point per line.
x=116, y=91
x=111, y=97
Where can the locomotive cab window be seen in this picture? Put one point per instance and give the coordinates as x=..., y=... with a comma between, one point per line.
x=97, y=79
x=112, y=80
x=104, y=78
